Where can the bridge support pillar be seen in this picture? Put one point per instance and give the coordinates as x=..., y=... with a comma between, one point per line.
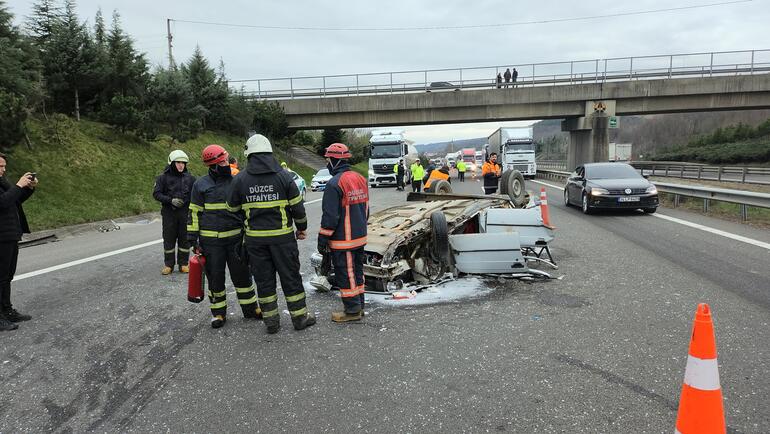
x=588, y=135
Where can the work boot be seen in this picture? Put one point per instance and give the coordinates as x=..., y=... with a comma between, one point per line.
x=166, y=270
x=184, y=268
x=14, y=315
x=303, y=322
x=273, y=324
x=6, y=325
x=346, y=317
x=218, y=321
x=252, y=313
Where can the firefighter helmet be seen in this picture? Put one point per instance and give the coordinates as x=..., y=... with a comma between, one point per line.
x=213, y=155
x=338, y=151
x=178, y=155
x=257, y=144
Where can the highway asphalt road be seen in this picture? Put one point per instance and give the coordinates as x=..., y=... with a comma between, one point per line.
x=115, y=347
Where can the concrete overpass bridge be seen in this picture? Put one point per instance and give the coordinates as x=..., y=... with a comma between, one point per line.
x=587, y=94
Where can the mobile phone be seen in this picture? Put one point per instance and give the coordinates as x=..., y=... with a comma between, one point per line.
x=33, y=175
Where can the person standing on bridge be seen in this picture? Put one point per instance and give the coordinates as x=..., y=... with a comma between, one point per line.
x=507, y=76
x=13, y=223
x=343, y=230
x=272, y=205
x=218, y=233
x=514, y=76
x=172, y=190
x=499, y=80
x=461, y=168
x=491, y=172
x=417, y=173
x=400, y=170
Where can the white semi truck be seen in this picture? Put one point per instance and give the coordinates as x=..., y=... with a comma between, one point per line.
x=515, y=148
x=385, y=149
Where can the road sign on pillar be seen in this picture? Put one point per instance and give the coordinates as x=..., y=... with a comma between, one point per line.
x=613, y=122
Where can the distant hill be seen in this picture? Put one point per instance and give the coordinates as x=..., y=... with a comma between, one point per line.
x=456, y=145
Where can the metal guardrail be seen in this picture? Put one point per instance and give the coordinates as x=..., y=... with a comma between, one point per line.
x=685, y=170
x=706, y=64
x=742, y=198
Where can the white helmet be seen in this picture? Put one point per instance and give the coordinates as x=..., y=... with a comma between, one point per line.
x=258, y=143
x=178, y=155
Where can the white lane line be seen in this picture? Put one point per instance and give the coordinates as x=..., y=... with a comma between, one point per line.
x=547, y=184
x=314, y=201
x=85, y=260
x=730, y=235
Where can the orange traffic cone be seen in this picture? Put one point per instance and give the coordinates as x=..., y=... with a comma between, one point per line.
x=544, y=213
x=700, y=405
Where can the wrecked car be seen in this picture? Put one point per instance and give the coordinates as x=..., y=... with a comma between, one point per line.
x=433, y=235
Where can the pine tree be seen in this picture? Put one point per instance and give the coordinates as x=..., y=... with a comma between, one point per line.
x=128, y=71
x=209, y=93
x=46, y=15
x=172, y=105
x=100, y=31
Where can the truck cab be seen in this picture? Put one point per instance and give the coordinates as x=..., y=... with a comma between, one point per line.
x=515, y=148
x=385, y=149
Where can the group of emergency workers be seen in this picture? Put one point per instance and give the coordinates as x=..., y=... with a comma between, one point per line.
x=250, y=224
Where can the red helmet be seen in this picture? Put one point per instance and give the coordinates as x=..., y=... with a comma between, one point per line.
x=214, y=154
x=338, y=151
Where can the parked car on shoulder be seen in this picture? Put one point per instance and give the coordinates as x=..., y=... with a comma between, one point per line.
x=595, y=186
x=318, y=183
x=301, y=185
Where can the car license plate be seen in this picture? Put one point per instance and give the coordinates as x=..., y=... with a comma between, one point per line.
x=628, y=199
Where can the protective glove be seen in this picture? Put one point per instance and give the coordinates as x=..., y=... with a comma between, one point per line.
x=323, y=244
x=177, y=202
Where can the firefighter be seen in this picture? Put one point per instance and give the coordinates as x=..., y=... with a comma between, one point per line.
x=491, y=172
x=343, y=230
x=172, y=190
x=217, y=233
x=272, y=204
x=435, y=175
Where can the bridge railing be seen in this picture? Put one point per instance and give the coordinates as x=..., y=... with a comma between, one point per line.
x=669, y=66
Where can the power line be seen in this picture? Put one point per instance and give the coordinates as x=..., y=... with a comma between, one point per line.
x=472, y=26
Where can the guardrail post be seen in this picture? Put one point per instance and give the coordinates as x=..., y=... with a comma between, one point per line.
x=676, y=200
x=752, y=62
x=596, y=76
x=391, y=82
x=681, y=172
x=324, y=81
x=461, y=78
x=356, y=84
x=631, y=69
x=706, y=204
x=744, y=212
x=426, y=81
x=259, y=89
x=743, y=175
x=719, y=173
x=670, y=65
x=711, y=65
x=571, y=68
x=291, y=87
x=700, y=168
x=667, y=169
x=533, y=75
x=604, y=77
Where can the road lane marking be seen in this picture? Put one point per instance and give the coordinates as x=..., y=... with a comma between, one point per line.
x=85, y=260
x=547, y=184
x=715, y=231
x=314, y=201
x=746, y=240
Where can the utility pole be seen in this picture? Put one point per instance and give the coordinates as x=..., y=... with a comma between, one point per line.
x=170, y=38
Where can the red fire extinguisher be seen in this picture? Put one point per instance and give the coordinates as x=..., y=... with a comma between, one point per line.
x=196, y=278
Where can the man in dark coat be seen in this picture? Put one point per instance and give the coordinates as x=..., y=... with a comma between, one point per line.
x=172, y=190
x=13, y=223
x=507, y=76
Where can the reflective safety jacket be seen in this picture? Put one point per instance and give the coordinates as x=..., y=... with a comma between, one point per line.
x=234, y=170
x=417, y=171
x=435, y=175
x=209, y=217
x=269, y=201
x=399, y=169
x=172, y=184
x=461, y=166
x=491, y=173
x=345, y=209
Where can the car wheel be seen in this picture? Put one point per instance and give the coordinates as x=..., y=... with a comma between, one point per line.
x=586, y=207
x=439, y=237
x=650, y=210
x=504, y=182
x=566, y=197
x=441, y=187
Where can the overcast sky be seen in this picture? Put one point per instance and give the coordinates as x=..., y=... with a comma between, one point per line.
x=250, y=53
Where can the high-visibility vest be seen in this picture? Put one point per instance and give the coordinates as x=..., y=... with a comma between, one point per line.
x=417, y=172
x=461, y=166
x=436, y=175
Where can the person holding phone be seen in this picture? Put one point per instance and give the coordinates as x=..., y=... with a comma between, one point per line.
x=13, y=223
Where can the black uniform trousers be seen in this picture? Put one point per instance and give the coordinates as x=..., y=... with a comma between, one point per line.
x=9, y=256
x=416, y=185
x=400, y=181
x=461, y=175
x=349, y=276
x=175, y=234
x=220, y=253
x=267, y=259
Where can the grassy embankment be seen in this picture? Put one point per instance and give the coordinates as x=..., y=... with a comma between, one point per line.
x=90, y=172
